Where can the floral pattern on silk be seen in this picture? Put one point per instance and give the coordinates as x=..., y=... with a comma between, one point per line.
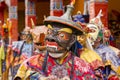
x=72, y=67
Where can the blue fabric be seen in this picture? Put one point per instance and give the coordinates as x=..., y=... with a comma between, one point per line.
x=79, y=46
x=79, y=18
x=107, y=53
x=111, y=38
x=76, y=47
x=27, y=49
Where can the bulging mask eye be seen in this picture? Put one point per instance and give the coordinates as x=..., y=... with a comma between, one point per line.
x=63, y=36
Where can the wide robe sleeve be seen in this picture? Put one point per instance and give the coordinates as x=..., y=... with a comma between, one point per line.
x=29, y=67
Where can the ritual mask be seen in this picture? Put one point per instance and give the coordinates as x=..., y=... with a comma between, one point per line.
x=62, y=33
x=94, y=31
x=81, y=39
x=59, y=40
x=27, y=36
x=107, y=33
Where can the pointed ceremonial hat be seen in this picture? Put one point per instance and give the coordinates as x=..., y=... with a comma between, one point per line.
x=65, y=20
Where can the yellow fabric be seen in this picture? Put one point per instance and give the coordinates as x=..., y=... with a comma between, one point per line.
x=28, y=72
x=5, y=75
x=108, y=62
x=89, y=55
x=62, y=59
x=2, y=57
x=68, y=30
x=21, y=72
x=92, y=58
x=9, y=57
x=116, y=69
x=24, y=72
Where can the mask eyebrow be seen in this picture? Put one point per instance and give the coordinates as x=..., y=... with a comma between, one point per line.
x=49, y=26
x=68, y=30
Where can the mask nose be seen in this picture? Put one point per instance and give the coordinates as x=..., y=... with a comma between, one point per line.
x=54, y=32
x=51, y=37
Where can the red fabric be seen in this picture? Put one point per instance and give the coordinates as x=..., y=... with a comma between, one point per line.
x=113, y=78
x=81, y=69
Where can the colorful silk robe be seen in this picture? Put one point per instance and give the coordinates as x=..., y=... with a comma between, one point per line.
x=109, y=57
x=40, y=67
x=92, y=58
x=2, y=57
x=21, y=52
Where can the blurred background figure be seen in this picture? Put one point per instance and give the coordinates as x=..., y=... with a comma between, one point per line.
x=22, y=49
x=3, y=50
x=78, y=17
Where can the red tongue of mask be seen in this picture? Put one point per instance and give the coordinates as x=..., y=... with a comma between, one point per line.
x=51, y=43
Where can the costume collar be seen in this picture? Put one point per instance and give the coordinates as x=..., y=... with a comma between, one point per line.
x=65, y=59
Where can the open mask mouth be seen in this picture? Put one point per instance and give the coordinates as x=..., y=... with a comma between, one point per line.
x=53, y=47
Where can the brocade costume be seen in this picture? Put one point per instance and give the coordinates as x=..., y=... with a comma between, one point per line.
x=40, y=66
x=92, y=58
x=21, y=51
x=109, y=57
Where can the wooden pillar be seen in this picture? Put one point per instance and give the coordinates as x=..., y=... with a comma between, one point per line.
x=2, y=7
x=0, y=28
x=56, y=7
x=30, y=12
x=79, y=6
x=95, y=7
x=2, y=16
x=13, y=16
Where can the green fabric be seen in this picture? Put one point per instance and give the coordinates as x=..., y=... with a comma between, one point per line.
x=2, y=57
x=100, y=34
